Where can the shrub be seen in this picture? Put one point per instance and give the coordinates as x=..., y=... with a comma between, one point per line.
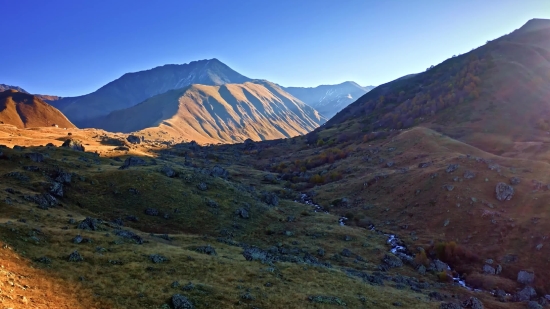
x=421, y=258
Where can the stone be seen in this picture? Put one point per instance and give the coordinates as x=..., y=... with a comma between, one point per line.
x=469, y=175
x=270, y=178
x=35, y=157
x=450, y=306
x=181, y=302
x=73, y=144
x=440, y=266
x=451, y=168
x=346, y=252
x=424, y=164
x=132, y=161
x=473, y=303
x=56, y=189
x=525, y=277
x=218, y=171
x=392, y=261
x=77, y=239
x=534, y=305
x=504, y=192
x=243, y=213
x=157, y=258
x=270, y=198
x=133, y=139
x=515, y=181
x=526, y=294
x=129, y=235
x=89, y=224
x=75, y=257
x=151, y=212
x=488, y=269
x=209, y=250
x=449, y=187
x=421, y=269
x=202, y=186
x=168, y=171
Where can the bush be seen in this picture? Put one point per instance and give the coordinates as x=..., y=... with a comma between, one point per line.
x=421, y=258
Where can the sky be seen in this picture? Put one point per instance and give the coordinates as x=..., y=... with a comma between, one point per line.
x=70, y=48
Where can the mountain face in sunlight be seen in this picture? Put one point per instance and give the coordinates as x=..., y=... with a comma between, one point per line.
x=133, y=88
x=228, y=113
x=329, y=99
x=26, y=111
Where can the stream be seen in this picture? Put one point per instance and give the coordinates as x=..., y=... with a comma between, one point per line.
x=397, y=246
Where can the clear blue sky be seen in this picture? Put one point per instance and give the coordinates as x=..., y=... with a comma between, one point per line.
x=74, y=47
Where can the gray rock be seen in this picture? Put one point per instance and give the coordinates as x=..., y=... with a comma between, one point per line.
x=424, y=164
x=392, y=261
x=129, y=235
x=181, y=302
x=451, y=168
x=202, y=186
x=270, y=178
x=75, y=257
x=504, y=192
x=515, y=181
x=77, y=239
x=440, y=266
x=168, y=171
x=257, y=254
x=209, y=250
x=270, y=198
x=449, y=187
x=157, y=258
x=488, y=269
x=525, y=277
x=151, y=212
x=35, y=157
x=534, y=305
x=73, y=144
x=421, y=269
x=498, y=270
x=469, y=175
x=346, y=252
x=218, y=171
x=133, y=139
x=473, y=303
x=89, y=224
x=56, y=189
x=526, y=294
x=132, y=161
x=243, y=213
x=450, y=306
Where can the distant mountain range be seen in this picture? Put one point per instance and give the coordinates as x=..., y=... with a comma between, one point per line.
x=329, y=99
x=243, y=108
x=4, y=87
x=26, y=111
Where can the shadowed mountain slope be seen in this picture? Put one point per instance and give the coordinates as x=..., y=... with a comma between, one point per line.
x=24, y=111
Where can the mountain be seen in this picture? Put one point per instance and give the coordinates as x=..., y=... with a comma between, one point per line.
x=227, y=113
x=329, y=99
x=25, y=111
x=133, y=88
x=4, y=87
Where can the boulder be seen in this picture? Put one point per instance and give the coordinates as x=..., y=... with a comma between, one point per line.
x=488, y=269
x=270, y=198
x=392, y=261
x=133, y=139
x=35, y=157
x=451, y=168
x=526, y=294
x=218, y=171
x=56, y=189
x=132, y=161
x=181, y=302
x=168, y=171
x=515, y=181
x=73, y=144
x=89, y=224
x=504, y=192
x=473, y=303
x=525, y=277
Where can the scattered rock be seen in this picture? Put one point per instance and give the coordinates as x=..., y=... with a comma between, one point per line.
x=256, y=254
x=504, y=192
x=181, y=302
x=488, y=269
x=451, y=168
x=202, y=186
x=270, y=198
x=129, y=235
x=44, y=260
x=270, y=178
x=515, y=181
x=151, y=212
x=56, y=189
x=534, y=305
x=449, y=187
x=218, y=171
x=133, y=139
x=89, y=224
x=75, y=257
x=77, y=239
x=243, y=213
x=132, y=161
x=206, y=250
x=35, y=157
x=525, y=277
x=157, y=258
x=473, y=303
x=526, y=294
x=392, y=261
x=329, y=300
x=450, y=306
x=73, y=144
x=469, y=175
x=168, y=171
x=424, y=164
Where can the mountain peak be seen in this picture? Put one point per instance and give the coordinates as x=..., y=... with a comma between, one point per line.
x=535, y=24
